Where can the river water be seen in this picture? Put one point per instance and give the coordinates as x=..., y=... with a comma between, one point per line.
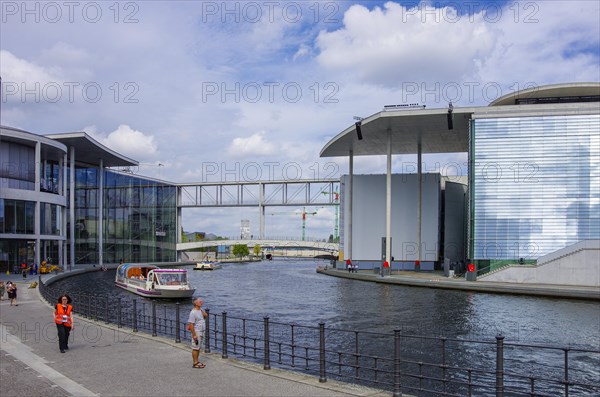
x=290, y=291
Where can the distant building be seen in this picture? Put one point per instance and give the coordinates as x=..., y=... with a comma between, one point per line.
x=245, y=230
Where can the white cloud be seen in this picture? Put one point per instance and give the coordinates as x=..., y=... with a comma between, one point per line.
x=127, y=141
x=254, y=145
x=393, y=44
x=21, y=71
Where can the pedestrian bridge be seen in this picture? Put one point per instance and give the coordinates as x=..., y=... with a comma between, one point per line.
x=266, y=245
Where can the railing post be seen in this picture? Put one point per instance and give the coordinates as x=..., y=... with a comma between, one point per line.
x=267, y=350
x=153, y=318
x=566, y=350
x=177, y=325
x=106, y=314
x=207, y=332
x=322, y=371
x=224, y=353
x=397, y=377
x=135, y=325
x=499, y=365
x=119, y=310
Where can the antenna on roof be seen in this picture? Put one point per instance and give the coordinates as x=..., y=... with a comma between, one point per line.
x=403, y=106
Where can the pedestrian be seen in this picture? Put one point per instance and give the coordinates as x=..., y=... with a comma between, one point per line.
x=349, y=265
x=64, y=321
x=12, y=293
x=196, y=325
x=1, y=290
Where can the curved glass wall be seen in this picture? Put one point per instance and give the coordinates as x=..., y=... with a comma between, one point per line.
x=536, y=185
x=17, y=169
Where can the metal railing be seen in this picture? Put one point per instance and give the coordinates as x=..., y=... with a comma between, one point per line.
x=399, y=362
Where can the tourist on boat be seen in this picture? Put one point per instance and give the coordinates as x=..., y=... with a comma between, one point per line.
x=196, y=325
x=64, y=321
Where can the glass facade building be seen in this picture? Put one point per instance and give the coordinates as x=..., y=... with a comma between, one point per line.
x=535, y=185
x=60, y=202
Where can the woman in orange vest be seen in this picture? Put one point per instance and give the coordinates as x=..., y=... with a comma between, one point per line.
x=64, y=321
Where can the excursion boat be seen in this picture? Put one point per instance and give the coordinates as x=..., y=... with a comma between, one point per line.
x=206, y=265
x=151, y=281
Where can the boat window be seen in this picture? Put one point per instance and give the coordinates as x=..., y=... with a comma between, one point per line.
x=172, y=278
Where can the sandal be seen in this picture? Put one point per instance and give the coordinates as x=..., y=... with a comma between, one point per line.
x=199, y=365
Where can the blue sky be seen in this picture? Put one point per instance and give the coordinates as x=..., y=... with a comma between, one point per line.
x=194, y=84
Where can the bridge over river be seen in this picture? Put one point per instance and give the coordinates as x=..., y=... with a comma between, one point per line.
x=287, y=248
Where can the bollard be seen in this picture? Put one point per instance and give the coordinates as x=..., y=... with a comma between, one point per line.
x=177, y=324
x=207, y=332
x=135, y=325
x=106, y=319
x=119, y=312
x=153, y=318
x=267, y=358
x=224, y=355
x=322, y=372
x=499, y=366
x=397, y=370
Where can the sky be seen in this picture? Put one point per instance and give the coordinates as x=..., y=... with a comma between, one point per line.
x=198, y=90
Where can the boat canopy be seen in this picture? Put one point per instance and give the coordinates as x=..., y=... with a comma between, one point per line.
x=129, y=270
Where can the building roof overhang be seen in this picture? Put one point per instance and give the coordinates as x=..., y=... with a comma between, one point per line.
x=408, y=127
x=90, y=151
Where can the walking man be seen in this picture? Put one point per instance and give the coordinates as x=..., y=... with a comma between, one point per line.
x=196, y=325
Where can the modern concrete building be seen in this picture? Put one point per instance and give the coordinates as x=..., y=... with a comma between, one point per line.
x=533, y=177
x=60, y=199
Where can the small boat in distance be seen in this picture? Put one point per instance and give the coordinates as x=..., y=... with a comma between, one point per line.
x=150, y=281
x=206, y=265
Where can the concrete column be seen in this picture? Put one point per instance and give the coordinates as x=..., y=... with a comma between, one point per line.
x=178, y=222
x=350, y=200
x=63, y=213
x=38, y=165
x=60, y=253
x=37, y=210
x=261, y=210
x=72, y=208
x=419, y=197
x=100, y=214
x=388, y=202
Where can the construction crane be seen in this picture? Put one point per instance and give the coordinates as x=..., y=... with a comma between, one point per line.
x=303, y=213
x=336, y=199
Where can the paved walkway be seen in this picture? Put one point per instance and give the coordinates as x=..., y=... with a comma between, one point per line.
x=437, y=280
x=106, y=361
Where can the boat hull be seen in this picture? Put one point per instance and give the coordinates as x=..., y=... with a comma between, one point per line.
x=157, y=293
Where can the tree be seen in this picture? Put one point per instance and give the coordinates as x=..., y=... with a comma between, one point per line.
x=183, y=236
x=256, y=250
x=240, y=250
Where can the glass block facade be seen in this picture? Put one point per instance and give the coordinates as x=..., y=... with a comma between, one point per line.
x=535, y=186
x=139, y=218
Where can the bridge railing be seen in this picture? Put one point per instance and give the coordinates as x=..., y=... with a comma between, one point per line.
x=397, y=361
